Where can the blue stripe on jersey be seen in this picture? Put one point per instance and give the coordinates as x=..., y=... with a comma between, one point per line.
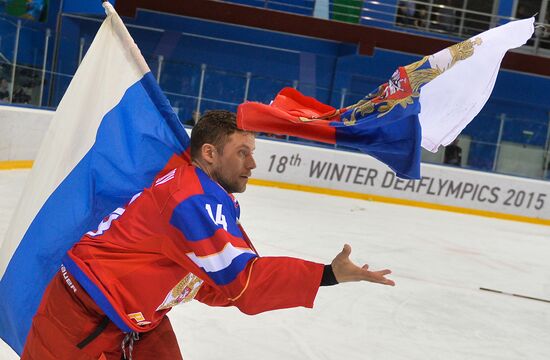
x=193, y=217
x=95, y=293
x=211, y=187
x=227, y=275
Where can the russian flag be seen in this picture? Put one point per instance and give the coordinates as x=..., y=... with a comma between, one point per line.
x=113, y=133
x=426, y=103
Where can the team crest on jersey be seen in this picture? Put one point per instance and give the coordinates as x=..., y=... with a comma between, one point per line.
x=184, y=291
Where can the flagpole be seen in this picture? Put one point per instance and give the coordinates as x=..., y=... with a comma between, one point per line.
x=124, y=36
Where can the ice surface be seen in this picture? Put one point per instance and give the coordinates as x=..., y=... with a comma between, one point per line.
x=436, y=311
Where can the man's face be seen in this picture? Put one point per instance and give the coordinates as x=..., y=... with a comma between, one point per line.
x=232, y=168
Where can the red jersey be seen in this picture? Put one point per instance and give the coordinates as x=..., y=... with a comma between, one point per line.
x=177, y=240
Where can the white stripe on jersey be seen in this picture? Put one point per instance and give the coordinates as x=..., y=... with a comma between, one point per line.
x=166, y=178
x=218, y=261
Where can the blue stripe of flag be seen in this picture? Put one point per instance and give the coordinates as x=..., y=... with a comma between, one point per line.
x=393, y=138
x=134, y=142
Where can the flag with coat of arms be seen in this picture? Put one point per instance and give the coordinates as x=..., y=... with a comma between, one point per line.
x=424, y=104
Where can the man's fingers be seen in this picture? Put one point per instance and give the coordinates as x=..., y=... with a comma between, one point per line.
x=386, y=281
x=344, y=254
x=378, y=276
x=376, y=273
x=346, y=250
x=345, y=270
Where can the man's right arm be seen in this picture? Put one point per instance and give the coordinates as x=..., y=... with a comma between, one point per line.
x=213, y=247
x=279, y=282
x=209, y=243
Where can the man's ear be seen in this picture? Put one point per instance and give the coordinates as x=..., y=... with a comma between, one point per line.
x=208, y=152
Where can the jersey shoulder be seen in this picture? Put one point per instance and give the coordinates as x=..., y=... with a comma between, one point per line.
x=200, y=206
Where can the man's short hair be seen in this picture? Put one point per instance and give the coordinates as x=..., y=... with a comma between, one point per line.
x=214, y=127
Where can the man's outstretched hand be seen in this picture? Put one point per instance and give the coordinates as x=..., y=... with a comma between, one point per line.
x=345, y=270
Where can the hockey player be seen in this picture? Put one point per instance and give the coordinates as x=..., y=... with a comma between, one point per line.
x=176, y=241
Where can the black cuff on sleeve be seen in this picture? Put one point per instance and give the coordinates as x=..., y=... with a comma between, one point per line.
x=328, y=278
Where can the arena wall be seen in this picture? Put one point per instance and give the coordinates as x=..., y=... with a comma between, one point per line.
x=336, y=172
x=21, y=132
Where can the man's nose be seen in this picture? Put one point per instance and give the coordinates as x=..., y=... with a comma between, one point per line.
x=251, y=163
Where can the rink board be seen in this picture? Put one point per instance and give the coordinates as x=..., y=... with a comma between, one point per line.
x=336, y=172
